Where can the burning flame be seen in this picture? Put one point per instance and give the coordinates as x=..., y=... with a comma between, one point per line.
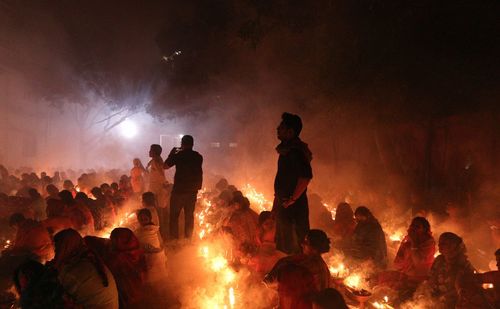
x=257, y=200
x=222, y=293
x=353, y=281
x=384, y=304
x=332, y=210
x=488, y=286
x=339, y=271
x=396, y=236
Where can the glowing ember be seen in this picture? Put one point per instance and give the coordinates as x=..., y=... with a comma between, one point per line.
x=218, y=263
x=338, y=271
x=383, y=304
x=221, y=293
x=397, y=236
x=332, y=210
x=231, y=297
x=7, y=244
x=488, y=286
x=353, y=281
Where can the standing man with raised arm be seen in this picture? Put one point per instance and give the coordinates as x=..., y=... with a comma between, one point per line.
x=290, y=185
x=187, y=181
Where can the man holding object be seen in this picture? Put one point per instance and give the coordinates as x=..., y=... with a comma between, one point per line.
x=187, y=182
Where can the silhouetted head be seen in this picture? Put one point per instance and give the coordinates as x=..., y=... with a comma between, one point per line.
x=289, y=127
x=33, y=193
x=316, y=242
x=52, y=190
x=363, y=214
x=239, y=201
x=67, y=197
x=222, y=184
x=419, y=227
x=155, y=150
x=68, y=185
x=144, y=216
x=187, y=142
x=451, y=245
x=148, y=199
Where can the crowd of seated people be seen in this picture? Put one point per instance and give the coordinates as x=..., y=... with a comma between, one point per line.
x=62, y=257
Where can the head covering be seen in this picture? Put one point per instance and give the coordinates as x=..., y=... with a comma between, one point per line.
x=70, y=248
x=318, y=240
x=455, y=239
x=123, y=239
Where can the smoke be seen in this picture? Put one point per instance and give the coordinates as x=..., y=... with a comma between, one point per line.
x=398, y=101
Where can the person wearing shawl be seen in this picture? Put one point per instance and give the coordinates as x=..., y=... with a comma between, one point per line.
x=416, y=252
x=31, y=237
x=82, y=274
x=294, y=173
x=451, y=279
x=413, y=260
x=369, y=239
x=137, y=174
x=243, y=221
x=343, y=226
x=56, y=217
x=127, y=262
x=150, y=240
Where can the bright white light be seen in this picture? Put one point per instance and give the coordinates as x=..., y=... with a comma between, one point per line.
x=128, y=129
x=180, y=136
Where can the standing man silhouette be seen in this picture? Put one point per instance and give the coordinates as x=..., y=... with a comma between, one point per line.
x=294, y=173
x=187, y=181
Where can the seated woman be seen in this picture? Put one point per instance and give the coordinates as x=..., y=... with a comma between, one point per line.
x=56, y=217
x=451, y=277
x=266, y=254
x=343, y=226
x=31, y=237
x=413, y=260
x=243, y=221
x=368, y=241
x=82, y=274
x=315, y=243
x=150, y=240
x=127, y=262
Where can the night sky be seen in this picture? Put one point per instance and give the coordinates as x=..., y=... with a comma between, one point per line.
x=425, y=58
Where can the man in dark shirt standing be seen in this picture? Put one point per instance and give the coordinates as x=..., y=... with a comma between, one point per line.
x=290, y=185
x=187, y=182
